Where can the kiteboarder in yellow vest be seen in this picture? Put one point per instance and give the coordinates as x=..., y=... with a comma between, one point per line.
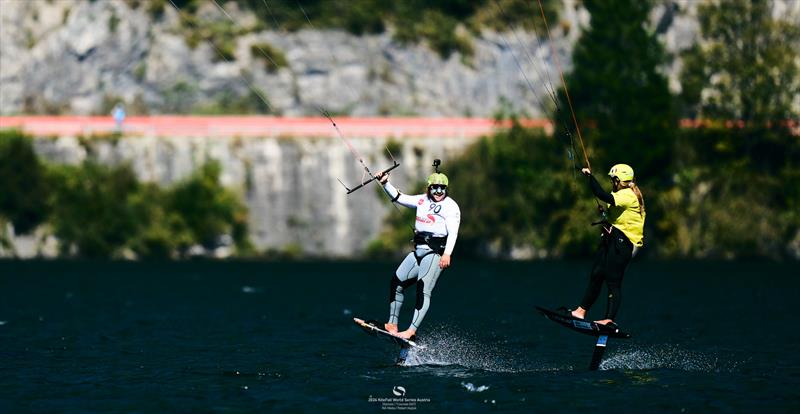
x=622, y=236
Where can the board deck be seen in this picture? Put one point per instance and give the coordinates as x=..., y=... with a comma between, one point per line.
x=382, y=333
x=581, y=325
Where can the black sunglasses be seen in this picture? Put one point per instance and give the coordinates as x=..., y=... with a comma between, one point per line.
x=438, y=187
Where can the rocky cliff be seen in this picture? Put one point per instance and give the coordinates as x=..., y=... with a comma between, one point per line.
x=82, y=56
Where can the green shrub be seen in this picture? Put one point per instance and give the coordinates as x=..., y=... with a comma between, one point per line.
x=23, y=182
x=179, y=98
x=414, y=21
x=155, y=8
x=163, y=234
x=394, y=149
x=93, y=215
x=505, y=15
x=440, y=32
x=208, y=209
x=113, y=23
x=363, y=18
x=273, y=57
x=221, y=34
x=140, y=71
x=229, y=103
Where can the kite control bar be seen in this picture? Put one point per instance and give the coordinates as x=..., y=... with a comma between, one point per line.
x=373, y=178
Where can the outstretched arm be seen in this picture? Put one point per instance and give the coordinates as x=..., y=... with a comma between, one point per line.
x=394, y=193
x=597, y=190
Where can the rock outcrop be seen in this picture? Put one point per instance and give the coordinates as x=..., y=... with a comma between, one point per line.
x=82, y=56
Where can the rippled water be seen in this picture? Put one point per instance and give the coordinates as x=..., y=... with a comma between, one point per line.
x=252, y=337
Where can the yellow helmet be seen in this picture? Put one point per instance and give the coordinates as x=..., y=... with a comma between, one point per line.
x=437, y=179
x=623, y=172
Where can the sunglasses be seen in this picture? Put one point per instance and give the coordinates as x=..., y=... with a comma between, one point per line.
x=438, y=187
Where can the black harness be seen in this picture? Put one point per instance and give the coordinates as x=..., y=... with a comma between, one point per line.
x=428, y=239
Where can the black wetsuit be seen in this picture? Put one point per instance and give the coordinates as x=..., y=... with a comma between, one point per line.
x=613, y=256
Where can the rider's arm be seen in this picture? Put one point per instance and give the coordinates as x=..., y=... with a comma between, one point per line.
x=452, y=221
x=599, y=192
x=398, y=197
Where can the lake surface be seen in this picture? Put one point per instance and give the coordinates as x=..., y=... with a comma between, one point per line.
x=278, y=337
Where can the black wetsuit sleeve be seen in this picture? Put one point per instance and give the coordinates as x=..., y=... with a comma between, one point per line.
x=599, y=192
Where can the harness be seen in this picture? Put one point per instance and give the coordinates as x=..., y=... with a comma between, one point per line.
x=428, y=239
x=604, y=224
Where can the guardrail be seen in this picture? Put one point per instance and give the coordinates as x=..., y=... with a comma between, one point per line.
x=260, y=126
x=268, y=126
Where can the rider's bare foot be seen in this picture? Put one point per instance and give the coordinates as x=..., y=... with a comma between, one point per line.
x=408, y=333
x=604, y=322
x=579, y=313
x=391, y=328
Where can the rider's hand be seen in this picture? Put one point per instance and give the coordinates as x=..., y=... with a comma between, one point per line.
x=586, y=171
x=444, y=262
x=382, y=177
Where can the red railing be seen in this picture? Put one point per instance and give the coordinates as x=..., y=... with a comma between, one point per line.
x=267, y=126
x=260, y=126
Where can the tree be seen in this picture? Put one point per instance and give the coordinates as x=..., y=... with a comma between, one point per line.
x=23, y=198
x=103, y=211
x=620, y=97
x=92, y=214
x=746, y=65
x=208, y=209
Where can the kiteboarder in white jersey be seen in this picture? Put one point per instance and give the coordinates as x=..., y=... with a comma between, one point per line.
x=435, y=233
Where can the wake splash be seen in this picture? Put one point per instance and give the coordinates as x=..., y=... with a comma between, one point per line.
x=461, y=350
x=444, y=348
x=668, y=356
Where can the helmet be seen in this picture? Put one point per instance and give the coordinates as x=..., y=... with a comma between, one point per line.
x=622, y=171
x=437, y=179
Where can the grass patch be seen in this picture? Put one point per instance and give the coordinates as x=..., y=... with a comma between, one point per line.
x=272, y=57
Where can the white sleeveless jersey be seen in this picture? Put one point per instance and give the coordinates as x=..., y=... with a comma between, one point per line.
x=442, y=219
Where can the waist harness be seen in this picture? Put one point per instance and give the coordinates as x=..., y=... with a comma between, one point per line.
x=428, y=239
x=435, y=243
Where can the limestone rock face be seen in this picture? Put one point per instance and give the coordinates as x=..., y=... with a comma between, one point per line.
x=82, y=56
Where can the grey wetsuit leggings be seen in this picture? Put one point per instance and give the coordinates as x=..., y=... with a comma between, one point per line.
x=424, y=273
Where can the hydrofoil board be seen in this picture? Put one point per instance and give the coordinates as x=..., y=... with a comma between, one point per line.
x=581, y=325
x=602, y=332
x=374, y=329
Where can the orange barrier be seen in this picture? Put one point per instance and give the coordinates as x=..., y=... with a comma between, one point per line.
x=260, y=126
x=268, y=126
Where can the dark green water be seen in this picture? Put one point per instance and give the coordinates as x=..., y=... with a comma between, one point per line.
x=274, y=337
